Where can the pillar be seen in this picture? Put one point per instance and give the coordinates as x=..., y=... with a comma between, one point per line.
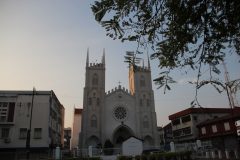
x=227, y=154
x=207, y=154
x=90, y=151
x=213, y=154
x=236, y=153
x=172, y=146
x=57, y=153
x=219, y=154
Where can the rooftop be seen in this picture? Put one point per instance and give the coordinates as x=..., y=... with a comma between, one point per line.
x=199, y=111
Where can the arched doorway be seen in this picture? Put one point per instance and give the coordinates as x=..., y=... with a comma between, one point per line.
x=92, y=141
x=120, y=134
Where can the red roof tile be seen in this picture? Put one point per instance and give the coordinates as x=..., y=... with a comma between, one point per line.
x=198, y=110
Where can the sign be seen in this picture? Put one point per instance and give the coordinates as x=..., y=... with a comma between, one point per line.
x=132, y=147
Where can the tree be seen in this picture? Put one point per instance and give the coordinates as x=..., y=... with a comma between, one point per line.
x=181, y=33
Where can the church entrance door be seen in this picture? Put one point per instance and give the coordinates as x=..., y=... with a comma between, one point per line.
x=121, y=134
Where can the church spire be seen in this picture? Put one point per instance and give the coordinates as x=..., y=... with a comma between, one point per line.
x=103, y=57
x=87, y=61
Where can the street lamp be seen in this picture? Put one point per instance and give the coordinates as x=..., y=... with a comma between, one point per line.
x=30, y=127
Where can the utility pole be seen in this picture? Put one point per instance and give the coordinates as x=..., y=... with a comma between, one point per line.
x=30, y=127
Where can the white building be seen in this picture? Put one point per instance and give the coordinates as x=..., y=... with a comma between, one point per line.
x=76, y=129
x=15, y=114
x=120, y=113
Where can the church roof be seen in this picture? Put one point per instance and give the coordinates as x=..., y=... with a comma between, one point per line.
x=117, y=89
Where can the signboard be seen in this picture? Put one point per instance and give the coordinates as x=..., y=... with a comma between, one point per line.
x=132, y=147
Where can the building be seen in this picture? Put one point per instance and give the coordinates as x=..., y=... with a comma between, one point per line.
x=77, y=121
x=161, y=136
x=120, y=113
x=46, y=121
x=184, y=122
x=221, y=133
x=67, y=138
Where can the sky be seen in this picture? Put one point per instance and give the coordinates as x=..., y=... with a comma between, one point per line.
x=44, y=44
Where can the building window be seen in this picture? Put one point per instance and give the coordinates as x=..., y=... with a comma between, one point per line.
x=203, y=129
x=214, y=128
x=145, y=122
x=175, y=122
x=226, y=126
x=177, y=133
x=5, y=132
x=94, y=121
x=37, y=133
x=7, y=111
x=95, y=79
x=187, y=131
x=195, y=118
x=186, y=118
x=23, y=133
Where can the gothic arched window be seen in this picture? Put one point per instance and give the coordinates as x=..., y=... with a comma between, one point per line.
x=145, y=122
x=142, y=81
x=94, y=121
x=95, y=79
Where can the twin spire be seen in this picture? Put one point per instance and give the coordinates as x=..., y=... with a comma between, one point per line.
x=103, y=57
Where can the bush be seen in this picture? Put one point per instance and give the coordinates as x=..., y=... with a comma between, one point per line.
x=144, y=157
x=124, y=158
x=138, y=157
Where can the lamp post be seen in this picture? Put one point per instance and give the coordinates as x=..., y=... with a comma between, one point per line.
x=30, y=127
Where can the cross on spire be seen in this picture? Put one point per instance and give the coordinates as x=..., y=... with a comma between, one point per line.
x=119, y=83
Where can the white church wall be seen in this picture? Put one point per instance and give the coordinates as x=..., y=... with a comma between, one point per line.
x=111, y=102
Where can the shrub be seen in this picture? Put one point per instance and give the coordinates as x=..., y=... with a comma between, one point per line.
x=124, y=158
x=144, y=157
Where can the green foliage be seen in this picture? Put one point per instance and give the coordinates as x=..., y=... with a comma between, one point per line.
x=144, y=157
x=138, y=157
x=181, y=33
x=124, y=158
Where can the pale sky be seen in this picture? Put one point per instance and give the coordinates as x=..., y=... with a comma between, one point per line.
x=44, y=43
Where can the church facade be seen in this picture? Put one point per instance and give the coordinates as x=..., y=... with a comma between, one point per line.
x=120, y=113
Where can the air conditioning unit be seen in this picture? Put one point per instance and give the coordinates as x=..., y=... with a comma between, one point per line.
x=7, y=140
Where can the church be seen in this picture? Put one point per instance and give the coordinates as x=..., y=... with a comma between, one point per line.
x=120, y=113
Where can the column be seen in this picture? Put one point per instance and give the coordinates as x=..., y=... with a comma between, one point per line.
x=227, y=154
x=207, y=154
x=236, y=153
x=213, y=154
x=219, y=154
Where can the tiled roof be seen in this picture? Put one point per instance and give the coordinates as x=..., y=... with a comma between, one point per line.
x=198, y=110
x=233, y=115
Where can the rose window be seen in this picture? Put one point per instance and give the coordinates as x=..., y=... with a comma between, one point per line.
x=120, y=113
